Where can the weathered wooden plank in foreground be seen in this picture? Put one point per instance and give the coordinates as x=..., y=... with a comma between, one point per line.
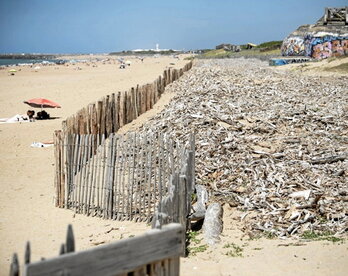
x=115, y=258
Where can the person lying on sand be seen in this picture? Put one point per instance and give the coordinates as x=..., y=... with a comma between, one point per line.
x=30, y=114
x=29, y=117
x=42, y=115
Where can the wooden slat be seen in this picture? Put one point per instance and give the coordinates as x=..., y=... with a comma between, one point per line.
x=68, y=168
x=148, y=97
x=102, y=177
x=113, y=114
x=127, y=173
x=151, y=94
x=83, y=174
x=77, y=157
x=160, y=172
x=115, y=185
x=118, y=176
x=95, y=169
x=150, y=191
x=107, y=178
x=57, y=172
x=174, y=266
x=105, y=115
x=62, y=178
x=99, y=117
x=155, y=173
x=99, y=176
x=115, y=258
x=134, y=103
x=122, y=109
x=117, y=112
x=137, y=178
x=87, y=173
x=91, y=174
x=132, y=177
x=112, y=176
x=137, y=103
x=142, y=182
x=143, y=98
x=122, y=181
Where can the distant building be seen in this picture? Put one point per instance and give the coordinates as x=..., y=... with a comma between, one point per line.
x=228, y=47
x=157, y=49
x=250, y=46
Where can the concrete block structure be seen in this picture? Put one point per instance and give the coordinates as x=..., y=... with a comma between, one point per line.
x=327, y=37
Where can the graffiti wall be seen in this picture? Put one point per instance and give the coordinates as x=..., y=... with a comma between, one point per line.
x=293, y=46
x=315, y=47
x=326, y=46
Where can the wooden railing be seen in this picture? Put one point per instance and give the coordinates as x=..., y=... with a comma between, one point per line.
x=155, y=253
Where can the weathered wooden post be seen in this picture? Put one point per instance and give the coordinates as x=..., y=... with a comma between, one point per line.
x=27, y=253
x=14, y=268
x=70, y=240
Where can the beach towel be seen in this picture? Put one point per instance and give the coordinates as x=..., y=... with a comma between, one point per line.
x=40, y=145
x=15, y=119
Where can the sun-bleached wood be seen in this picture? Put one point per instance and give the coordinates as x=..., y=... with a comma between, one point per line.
x=120, y=257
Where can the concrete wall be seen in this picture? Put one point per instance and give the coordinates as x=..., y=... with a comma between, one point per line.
x=318, y=47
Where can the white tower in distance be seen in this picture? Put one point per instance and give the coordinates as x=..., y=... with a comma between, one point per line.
x=157, y=47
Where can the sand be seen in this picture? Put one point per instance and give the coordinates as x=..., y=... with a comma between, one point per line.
x=27, y=174
x=26, y=201
x=262, y=256
x=322, y=68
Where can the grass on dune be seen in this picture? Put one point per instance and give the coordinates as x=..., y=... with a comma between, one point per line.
x=269, y=44
x=221, y=53
x=343, y=68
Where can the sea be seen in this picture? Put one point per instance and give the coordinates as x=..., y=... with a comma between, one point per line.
x=8, y=62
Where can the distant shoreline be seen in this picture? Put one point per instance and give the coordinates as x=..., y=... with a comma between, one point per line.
x=27, y=56
x=59, y=56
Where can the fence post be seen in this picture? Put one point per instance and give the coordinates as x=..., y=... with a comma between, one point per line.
x=14, y=268
x=27, y=253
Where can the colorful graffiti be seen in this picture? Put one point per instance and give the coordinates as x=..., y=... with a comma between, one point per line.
x=284, y=61
x=293, y=46
x=316, y=47
x=321, y=51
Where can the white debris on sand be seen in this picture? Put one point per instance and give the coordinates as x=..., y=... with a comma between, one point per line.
x=272, y=144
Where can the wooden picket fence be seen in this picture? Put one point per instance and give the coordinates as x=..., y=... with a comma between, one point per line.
x=122, y=177
x=175, y=207
x=110, y=113
x=155, y=253
x=100, y=120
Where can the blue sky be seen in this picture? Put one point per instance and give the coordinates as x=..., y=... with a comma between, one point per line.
x=91, y=26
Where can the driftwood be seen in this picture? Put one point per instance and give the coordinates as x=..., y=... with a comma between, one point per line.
x=154, y=253
x=261, y=136
x=199, y=207
x=212, y=225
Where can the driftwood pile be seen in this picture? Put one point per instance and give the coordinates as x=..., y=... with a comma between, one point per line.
x=272, y=144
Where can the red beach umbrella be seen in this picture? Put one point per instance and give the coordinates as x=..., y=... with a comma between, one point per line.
x=43, y=103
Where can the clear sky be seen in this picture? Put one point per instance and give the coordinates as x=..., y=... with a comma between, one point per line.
x=92, y=26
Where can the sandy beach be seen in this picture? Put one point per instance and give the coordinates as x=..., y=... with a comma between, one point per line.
x=27, y=178
x=27, y=174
